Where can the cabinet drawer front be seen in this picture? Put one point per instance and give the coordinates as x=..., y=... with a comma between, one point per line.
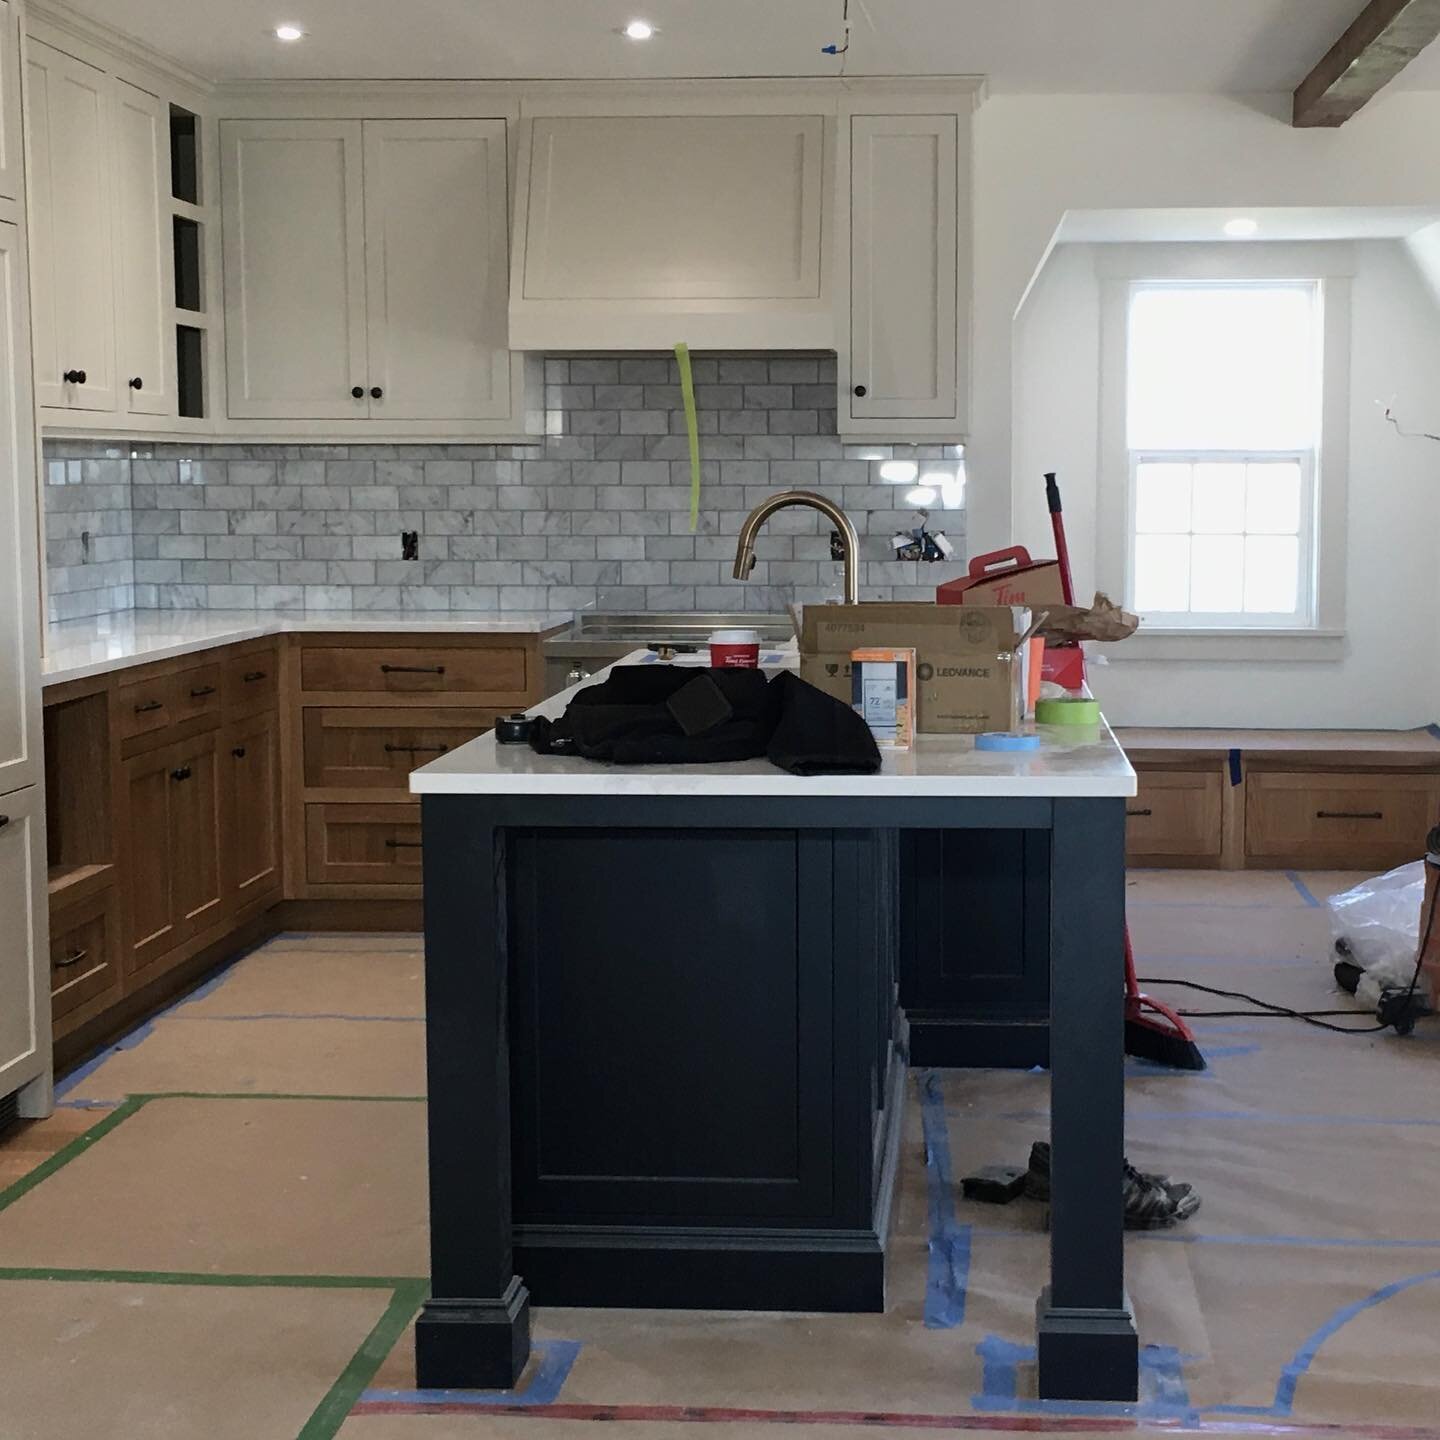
x=362, y=844
x=249, y=682
x=414, y=670
x=82, y=956
x=1345, y=820
x=377, y=749
x=144, y=706
x=1175, y=813
x=196, y=692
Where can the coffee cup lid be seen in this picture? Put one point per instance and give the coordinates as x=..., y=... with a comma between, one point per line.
x=735, y=637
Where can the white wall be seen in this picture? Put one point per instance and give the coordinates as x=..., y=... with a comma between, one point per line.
x=1038, y=156
x=1386, y=677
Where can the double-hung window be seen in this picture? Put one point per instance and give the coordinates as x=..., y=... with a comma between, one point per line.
x=1223, y=425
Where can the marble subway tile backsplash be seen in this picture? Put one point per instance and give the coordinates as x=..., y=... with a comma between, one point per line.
x=596, y=515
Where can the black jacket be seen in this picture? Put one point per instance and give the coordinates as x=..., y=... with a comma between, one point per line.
x=629, y=719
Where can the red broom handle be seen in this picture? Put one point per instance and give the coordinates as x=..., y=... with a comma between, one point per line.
x=1057, y=524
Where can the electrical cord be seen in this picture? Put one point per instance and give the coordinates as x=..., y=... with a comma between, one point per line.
x=1267, y=1011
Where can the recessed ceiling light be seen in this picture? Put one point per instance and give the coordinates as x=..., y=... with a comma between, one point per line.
x=639, y=30
x=289, y=32
x=1241, y=228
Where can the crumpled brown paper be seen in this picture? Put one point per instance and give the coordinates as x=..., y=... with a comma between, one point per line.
x=1104, y=620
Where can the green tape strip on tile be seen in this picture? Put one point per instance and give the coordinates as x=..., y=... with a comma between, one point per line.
x=63, y=1156
x=330, y=1413
x=60, y=1275
x=692, y=430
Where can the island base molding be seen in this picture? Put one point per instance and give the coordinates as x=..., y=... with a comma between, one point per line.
x=1085, y=1354
x=473, y=1344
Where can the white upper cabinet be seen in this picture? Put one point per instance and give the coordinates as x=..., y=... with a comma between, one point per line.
x=144, y=252
x=19, y=534
x=366, y=265
x=293, y=227
x=437, y=269
x=904, y=360
x=11, y=147
x=73, y=273
x=641, y=230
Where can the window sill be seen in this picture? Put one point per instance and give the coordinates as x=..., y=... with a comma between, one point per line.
x=1255, y=645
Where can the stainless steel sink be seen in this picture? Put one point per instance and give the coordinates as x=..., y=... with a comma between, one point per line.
x=597, y=638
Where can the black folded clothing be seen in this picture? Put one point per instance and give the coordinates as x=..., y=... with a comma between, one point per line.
x=627, y=720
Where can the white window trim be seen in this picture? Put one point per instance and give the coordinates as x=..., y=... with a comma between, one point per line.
x=1119, y=267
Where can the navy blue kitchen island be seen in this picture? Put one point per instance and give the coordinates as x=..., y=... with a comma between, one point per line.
x=666, y=1052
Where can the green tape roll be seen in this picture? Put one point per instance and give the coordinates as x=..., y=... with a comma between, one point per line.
x=1069, y=711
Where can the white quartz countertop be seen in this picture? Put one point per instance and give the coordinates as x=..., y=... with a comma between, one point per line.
x=77, y=649
x=1072, y=762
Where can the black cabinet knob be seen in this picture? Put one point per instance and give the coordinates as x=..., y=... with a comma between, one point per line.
x=136, y=383
x=4, y=821
x=376, y=392
x=74, y=377
x=861, y=391
x=238, y=752
x=183, y=773
x=358, y=391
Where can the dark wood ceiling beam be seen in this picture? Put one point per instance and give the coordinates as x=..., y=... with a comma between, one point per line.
x=1385, y=38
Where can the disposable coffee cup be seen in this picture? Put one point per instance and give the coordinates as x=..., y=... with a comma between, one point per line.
x=735, y=650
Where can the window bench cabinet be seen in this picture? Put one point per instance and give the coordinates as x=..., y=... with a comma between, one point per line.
x=198, y=802
x=1281, y=799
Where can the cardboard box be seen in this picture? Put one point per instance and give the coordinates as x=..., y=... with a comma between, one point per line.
x=882, y=692
x=1006, y=577
x=968, y=678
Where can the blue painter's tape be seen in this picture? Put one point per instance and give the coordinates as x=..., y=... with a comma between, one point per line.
x=1163, y=1392
x=127, y=1041
x=556, y=1357
x=1304, y=889
x=1237, y=769
x=948, y=1271
x=1434, y=730
x=1259, y=1117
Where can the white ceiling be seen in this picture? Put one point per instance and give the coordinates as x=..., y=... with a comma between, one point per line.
x=1060, y=46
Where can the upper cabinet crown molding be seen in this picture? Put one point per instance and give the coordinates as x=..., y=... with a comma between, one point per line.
x=638, y=229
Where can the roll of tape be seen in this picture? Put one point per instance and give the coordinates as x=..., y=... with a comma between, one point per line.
x=1000, y=740
x=1069, y=711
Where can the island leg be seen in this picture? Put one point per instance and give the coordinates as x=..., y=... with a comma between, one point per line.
x=474, y=1331
x=1087, y=1344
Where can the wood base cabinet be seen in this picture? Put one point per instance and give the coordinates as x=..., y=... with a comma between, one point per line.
x=173, y=849
x=250, y=761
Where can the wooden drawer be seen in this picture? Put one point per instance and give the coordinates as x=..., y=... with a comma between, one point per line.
x=249, y=681
x=362, y=844
x=1346, y=821
x=415, y=669
x=377, y=749
x=1177, y=814
x=195, y=693
x=143, y=706
x=83, y=954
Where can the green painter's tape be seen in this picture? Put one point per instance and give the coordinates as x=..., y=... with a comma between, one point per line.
x=692, y=429
x=1071, y=711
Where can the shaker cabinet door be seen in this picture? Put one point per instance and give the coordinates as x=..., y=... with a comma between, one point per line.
x=20, y=623
x=24, y=997
x=250, y=753
x=144, y=252
x=437, y=268
x=294, y=234
x=904, y=358
x=73, y=276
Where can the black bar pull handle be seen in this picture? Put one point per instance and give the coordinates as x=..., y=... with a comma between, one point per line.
x=416, y=749
x=4, y=821
x=412, y=669
x=251, y=676
x=74, y=959
x=148, y=706
x=402, y=844
x=201, y=691
x=1135, y=814
x=1349, y=814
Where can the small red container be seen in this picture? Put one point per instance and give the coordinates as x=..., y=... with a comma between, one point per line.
x=735, y=650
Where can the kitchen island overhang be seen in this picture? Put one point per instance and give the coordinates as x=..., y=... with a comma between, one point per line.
x=666, y=1055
